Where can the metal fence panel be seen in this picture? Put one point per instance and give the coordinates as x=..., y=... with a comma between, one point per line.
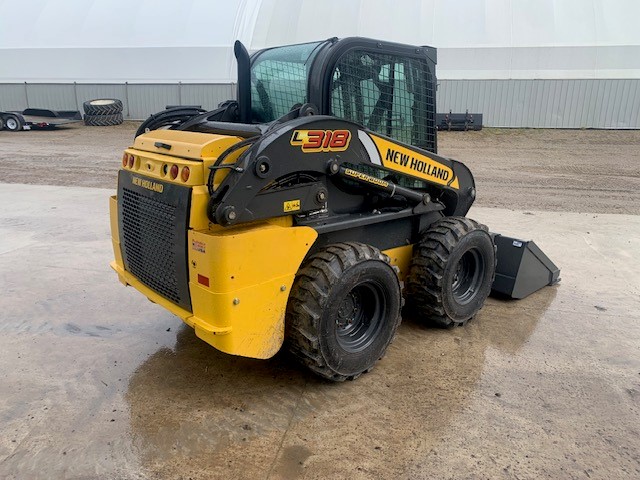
x=208, y=96
x=52, y=96
x=147, y=99
x=544, y=103
x=13, y=96
x=85, y=92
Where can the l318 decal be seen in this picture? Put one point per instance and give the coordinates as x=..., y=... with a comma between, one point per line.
x=311, y=141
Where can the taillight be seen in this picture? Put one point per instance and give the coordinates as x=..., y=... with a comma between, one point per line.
x=131, y=161
x=185, y=174
x=124, y=160
x=173, y=173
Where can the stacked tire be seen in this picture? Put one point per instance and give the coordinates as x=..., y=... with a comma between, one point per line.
x=102, y=112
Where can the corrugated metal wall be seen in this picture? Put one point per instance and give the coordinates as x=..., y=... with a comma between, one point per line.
x=545, y=103
x=140, y=100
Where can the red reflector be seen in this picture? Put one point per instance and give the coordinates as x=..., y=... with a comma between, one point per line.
x=203, y=280
x=131, y=160
x=173, y=172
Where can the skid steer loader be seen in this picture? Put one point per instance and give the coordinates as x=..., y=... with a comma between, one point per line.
x=300, y=211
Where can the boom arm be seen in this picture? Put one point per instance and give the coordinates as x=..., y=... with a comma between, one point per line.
x=288, y=170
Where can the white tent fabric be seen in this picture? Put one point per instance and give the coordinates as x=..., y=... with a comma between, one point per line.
x=160, y=41
x=477, y=39
x=113, y=41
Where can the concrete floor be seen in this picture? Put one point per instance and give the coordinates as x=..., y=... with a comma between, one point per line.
x=99, y=383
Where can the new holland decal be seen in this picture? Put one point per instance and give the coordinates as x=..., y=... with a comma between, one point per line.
x=311, y=141
x=148, y=184
x=410, y=162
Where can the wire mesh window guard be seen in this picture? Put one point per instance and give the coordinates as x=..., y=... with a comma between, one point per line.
x=388, y=94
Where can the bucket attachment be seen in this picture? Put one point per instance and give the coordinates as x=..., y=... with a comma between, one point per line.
x=522, y=268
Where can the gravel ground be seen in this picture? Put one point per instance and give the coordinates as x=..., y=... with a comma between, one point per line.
x=99, y=383
x=559, y=170
x=104, y=384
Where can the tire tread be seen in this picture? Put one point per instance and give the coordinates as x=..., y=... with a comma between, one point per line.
x=103, y=120
x=424, y=292
x=109, y=109
x=308, y=298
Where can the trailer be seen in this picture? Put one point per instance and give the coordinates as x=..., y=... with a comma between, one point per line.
x=15, y=121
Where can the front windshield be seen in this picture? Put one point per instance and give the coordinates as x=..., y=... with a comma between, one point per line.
x=279, y=80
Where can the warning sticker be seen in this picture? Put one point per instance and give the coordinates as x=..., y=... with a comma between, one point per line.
x=292, y=206
x=198, y=246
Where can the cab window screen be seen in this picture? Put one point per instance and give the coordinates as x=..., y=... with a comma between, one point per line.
x=388, y=94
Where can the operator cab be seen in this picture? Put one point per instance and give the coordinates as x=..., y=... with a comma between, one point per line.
x=388, y=88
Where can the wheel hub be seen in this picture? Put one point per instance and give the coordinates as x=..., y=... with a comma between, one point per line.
x=467, y=278
x=360, y=316
x=349, y=310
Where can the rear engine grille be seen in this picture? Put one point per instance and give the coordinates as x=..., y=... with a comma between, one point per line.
x=149, y=235
x=153, y=235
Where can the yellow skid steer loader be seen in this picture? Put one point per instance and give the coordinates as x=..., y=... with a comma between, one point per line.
x=305, y=211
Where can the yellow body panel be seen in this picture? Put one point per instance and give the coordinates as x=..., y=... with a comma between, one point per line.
x=249, y=271
x=400, y=257
x=153, y=166
x=198, y=151
x=198, y=219
x=239, y=281
x=193, y=145
x=115, y=232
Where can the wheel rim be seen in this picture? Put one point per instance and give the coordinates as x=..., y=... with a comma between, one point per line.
x=12, y=124
x=467, y=278
x=360, y=316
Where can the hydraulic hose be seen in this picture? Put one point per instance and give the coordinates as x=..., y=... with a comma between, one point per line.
x=217, y=164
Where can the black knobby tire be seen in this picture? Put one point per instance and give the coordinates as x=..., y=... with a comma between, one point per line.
x=1, y=123
x=343, y=311
x=102, y=106
x=13, y=123
x=451, y=272
x=103, y=120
